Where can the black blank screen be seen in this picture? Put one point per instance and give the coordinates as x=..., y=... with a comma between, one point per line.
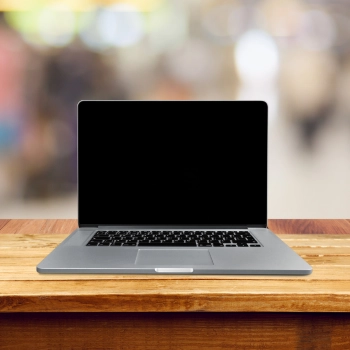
x=172, y=163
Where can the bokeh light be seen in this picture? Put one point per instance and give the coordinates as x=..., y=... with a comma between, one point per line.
x=89, y=30
x=120, y=25
x=294, y=54
x=57, y=25
x=256, y=57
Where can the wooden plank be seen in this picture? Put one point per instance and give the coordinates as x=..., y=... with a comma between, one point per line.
x=23, y=226
x=327, y=271
x=21, y=287
x=42, y=253
x=293, y=240
x=314, y=260
x=322, y=251
x=24, y=290
x=40, y=226
x=290, y=238
x=26, y=241
x=39, y=246
x=175, y=296
x=317, y=243
x=25, y=246
x=205, y=285
x=3, y=222
x=311, y=236
x=326, y=226
x=59, y=226
x=170, y=331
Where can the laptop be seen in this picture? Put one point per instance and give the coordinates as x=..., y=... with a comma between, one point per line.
x=173, y=187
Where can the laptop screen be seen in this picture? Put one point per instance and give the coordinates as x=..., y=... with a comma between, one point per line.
x=172, y=163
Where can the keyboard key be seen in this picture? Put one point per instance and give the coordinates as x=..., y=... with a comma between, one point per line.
x=174, y=238
x=203, y=242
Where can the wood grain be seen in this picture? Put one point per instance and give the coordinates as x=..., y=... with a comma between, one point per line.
x=172, y=331
x=323, y=252
x=287, y=226
x=340, y=226
x=28, y=273
x=39, y=226
x=3, y=222
x=175, y=296
x=22, y=289
x=146, y=312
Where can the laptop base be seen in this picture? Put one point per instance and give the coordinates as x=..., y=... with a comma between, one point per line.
x=274, y=257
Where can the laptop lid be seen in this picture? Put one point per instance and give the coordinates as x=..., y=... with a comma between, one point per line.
x=185, y=163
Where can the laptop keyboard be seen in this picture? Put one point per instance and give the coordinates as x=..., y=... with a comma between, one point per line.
x=174, y=239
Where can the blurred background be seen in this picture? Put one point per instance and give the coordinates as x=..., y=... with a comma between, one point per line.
x=294, y=54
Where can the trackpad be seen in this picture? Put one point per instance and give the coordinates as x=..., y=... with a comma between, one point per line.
x=159, y=257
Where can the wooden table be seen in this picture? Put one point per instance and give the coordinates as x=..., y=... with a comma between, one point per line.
x=175, y=312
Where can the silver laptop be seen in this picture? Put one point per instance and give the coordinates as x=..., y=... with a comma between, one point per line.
x=173, y=187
